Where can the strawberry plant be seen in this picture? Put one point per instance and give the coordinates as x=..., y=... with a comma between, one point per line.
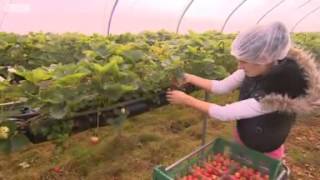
x=69, y=73
x=10, y=139
x=309, y=41
x=118, y=121
x=105, y=73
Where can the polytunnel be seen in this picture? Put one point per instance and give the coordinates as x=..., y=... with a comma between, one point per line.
x=140, y=15
x=159, y=89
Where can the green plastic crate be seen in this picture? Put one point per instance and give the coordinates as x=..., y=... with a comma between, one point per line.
x=237, y=152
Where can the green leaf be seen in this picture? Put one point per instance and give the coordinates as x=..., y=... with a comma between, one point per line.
x=36, y=75
x=29, y=87
x=118, y=121
x=18, y=142
x=3, y=85
x=58, y=111
x=133, y=55
x=52, y=96
x=90, y=54
x=72, y=79
x=102, y=51
x=116, y=59
x=5, y=146
x=192, y=50
x=111, y=67
x=3, y=44
x=219, y=72
x=115, y=91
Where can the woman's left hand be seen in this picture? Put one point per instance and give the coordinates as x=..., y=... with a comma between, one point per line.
x=177, y=97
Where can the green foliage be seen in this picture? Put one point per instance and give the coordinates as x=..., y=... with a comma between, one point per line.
x=309, y=41
x=8, y=93
x=67, y=73
x=10, y=139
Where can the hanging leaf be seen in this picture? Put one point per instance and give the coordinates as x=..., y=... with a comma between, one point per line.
x=118, y=121
x=29, y=87
x=58, y=111
x=52, y=96
x=18, y=142
x=115, y=91
x=5, y=146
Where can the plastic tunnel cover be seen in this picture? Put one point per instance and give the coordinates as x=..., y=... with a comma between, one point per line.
x=23, y=16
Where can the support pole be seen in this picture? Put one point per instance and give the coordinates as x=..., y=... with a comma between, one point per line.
x=111, y=15
x=181, y=17
x=269, y=11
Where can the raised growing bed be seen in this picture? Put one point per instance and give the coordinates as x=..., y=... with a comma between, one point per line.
x=88, y=119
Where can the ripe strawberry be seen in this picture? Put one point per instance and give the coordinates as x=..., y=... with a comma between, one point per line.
x=266, y=177
x=237, y=175
x=57, y=169
x=94, y=139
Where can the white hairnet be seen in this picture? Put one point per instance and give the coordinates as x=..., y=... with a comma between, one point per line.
x=262, y=44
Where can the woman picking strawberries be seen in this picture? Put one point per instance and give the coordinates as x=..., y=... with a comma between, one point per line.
x=276, y=83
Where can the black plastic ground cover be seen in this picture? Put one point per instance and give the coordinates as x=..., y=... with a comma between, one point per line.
x=88, y=119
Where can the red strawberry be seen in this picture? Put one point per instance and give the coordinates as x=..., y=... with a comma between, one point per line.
x=94, y=140
x=57, y=169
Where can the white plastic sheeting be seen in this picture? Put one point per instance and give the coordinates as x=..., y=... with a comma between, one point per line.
x=22, y=16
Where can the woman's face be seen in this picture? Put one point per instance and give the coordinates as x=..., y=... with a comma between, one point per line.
x=252, y=69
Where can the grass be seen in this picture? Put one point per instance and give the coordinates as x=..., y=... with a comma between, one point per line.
x=161, y=136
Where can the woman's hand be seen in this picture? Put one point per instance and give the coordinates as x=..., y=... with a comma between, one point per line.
x=178, y=97
x=194, y=80
x=182, y=81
